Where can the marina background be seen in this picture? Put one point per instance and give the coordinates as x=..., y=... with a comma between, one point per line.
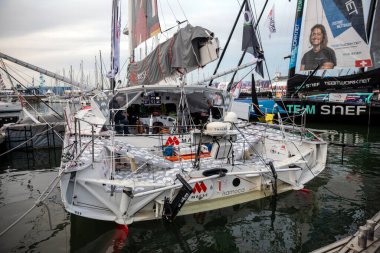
x=336, y=203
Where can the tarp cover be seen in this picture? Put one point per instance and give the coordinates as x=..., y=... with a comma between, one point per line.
x=180, y=53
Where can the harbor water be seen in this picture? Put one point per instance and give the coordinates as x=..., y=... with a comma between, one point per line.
x=331, y=207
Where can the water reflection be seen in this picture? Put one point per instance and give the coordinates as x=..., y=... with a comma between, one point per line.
x=251, y=227
x=44, y=228
x=339, y=200
x=31, y=159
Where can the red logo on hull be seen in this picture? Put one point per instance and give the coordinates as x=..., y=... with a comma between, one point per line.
x=172, y=141
x=199, y=187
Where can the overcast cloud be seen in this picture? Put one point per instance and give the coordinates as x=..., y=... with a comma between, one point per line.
x=57, y=34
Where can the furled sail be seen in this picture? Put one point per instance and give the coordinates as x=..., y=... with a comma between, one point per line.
x=189, y=48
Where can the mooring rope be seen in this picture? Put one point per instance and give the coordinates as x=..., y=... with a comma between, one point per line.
x=38, y=202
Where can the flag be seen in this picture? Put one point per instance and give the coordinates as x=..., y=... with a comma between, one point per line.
x=250, y=43
x=115, y=39
x=363, y=63
x=271, y=23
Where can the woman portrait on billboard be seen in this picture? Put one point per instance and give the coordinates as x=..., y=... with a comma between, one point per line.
x=320, y=54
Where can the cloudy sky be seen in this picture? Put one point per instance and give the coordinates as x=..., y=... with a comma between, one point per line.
x=57, y=34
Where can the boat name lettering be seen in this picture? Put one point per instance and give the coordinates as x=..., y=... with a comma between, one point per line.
x=233, y=192
x=310, y=109
x=350, y=110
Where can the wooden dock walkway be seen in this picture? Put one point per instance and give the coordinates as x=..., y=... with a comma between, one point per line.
x=365, y=240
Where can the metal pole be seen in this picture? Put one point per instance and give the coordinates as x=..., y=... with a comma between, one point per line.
x=40, y=70
x=228, y=40
x=245, y=51
x=93, y=145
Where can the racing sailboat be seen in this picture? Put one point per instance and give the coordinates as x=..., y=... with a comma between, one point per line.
x=329, y=95
x=178, y=149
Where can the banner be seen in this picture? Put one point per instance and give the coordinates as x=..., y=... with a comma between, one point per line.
x=368, y=81
x=250, y=43
x=145, y=23
x=334, y=35
x=271, y=22
x=296, y=38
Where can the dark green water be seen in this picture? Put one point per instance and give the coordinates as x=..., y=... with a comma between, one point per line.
x=338, y=202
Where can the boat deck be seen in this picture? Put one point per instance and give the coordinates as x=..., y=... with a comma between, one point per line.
x=361, y=241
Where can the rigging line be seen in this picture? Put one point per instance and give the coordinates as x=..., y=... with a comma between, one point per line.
x=250, y=145
x=38, y=114
x=17, y=70
x=228, y=41
x=163, y=17
x=180, y=6
x=260, y=41
x=172, y=11
x=233, y=86
x=33, y=94
x=8, y=151
x=125, y=62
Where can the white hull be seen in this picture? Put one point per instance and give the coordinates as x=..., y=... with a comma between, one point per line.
x=126, y=179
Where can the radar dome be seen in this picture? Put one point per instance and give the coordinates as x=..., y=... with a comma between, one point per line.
x=231, y=117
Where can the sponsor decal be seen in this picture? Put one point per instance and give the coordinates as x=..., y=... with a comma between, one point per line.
x=278, y=149
x=172, y=141
x=363, y=63
x=199, y=187
x=202, y=190
x=233, y=192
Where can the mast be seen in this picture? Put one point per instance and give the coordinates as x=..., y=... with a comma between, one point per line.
x=40, y=70
x=245, y=51
x=296, y=38
x=131, y=31
x=228, y=40
x=371, y=14
x=96, y=74
x=82, y=74
x=101, y=69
